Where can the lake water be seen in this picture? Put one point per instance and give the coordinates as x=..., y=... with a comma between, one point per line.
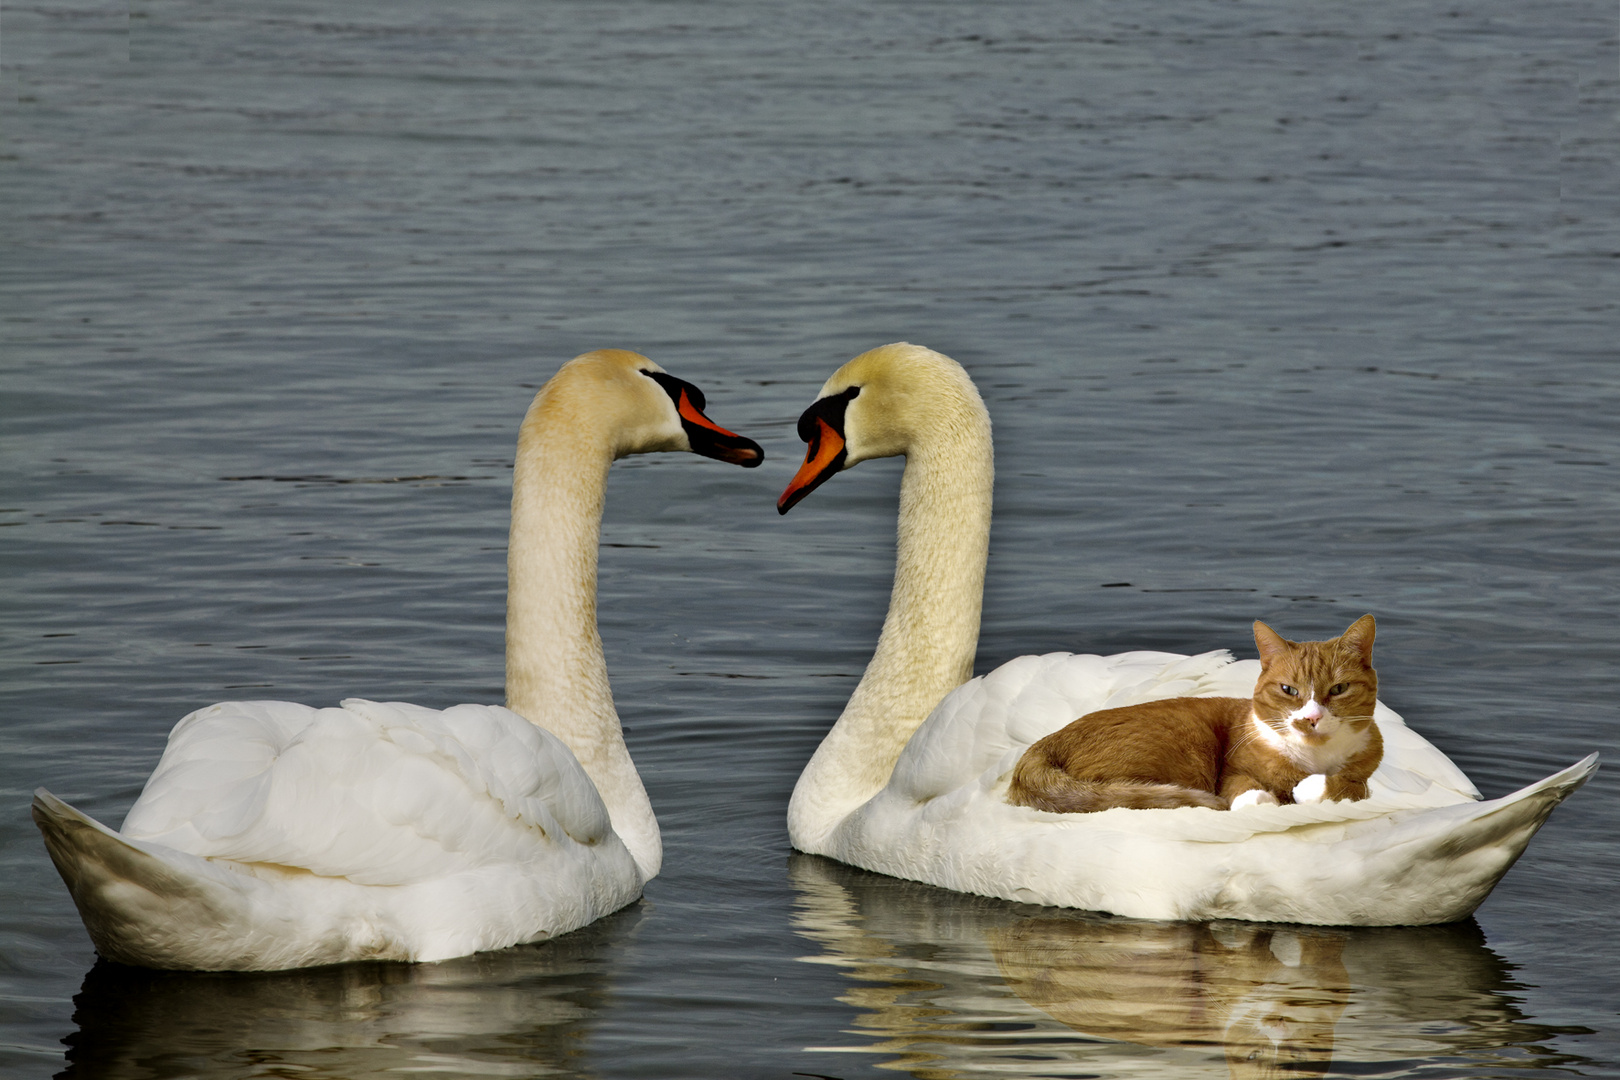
x=1281, y=311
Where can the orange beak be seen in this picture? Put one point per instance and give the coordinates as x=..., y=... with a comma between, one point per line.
x=822, y=458
x=721, y=444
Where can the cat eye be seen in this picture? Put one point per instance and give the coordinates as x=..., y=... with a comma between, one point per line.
x=1337, y=688
x=1289, y=690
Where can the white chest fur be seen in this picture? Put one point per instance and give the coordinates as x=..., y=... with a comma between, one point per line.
x=1329, y=756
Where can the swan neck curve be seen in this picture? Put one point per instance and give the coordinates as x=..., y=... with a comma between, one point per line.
x=931, y=632
x=556, y=674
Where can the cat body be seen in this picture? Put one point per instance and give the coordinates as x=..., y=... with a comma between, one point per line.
x=1307, y=735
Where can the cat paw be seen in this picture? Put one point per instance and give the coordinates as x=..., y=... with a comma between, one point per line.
x=1312, y=789
x=1254, y=797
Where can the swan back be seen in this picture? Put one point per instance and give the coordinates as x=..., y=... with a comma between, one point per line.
x=378, y=793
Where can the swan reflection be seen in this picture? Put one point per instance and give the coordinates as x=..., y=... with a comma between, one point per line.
x=1270, y=998
x=952, y=985
x=523, y=1011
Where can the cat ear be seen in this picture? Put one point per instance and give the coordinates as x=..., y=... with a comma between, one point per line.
x=1359, y=638
x=1270, y=643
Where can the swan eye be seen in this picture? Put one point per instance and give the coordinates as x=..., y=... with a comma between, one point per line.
x=829, y=410
x=1289, y=690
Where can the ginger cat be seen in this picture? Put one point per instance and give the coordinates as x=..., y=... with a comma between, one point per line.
x=1307, y=736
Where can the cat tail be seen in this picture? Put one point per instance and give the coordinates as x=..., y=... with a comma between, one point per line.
x=1043, y=786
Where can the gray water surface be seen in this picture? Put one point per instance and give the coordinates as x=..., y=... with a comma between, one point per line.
x=1281, y=311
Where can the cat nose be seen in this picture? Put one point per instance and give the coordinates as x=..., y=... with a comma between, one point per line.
x=1311, y=710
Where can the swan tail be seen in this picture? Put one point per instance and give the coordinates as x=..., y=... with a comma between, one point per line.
x=1509, y=822
x=135, y=903
x=1449, y=862
x=1041, y=785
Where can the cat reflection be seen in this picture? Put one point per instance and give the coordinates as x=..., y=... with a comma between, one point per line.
x=950, y=986
x=1270, y=997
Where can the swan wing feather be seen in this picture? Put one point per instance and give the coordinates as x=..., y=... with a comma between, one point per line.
x=1367, y=863
x=1030, y=697
x=381, y=794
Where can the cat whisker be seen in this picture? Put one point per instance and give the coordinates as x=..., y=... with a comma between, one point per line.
x=1243, y=739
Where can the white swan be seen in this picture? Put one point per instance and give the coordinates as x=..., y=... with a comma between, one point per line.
x=275, y=835
x=910, y=780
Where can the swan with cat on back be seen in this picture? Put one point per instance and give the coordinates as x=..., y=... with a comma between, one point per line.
x=912, y=779
x=276, y=835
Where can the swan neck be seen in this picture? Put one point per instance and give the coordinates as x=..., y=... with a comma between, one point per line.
x=556, y=674
x=929, y=637
x=931, y=632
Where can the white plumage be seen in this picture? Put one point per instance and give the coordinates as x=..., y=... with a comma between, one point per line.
x=911, y=780
x=276, y=835
x=382, y=794
x=296, y=836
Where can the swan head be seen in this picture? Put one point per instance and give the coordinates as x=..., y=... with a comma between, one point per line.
x=898, y=399
x=638, y=406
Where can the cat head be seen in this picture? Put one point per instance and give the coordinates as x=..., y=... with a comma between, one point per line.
x=1314, y=693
